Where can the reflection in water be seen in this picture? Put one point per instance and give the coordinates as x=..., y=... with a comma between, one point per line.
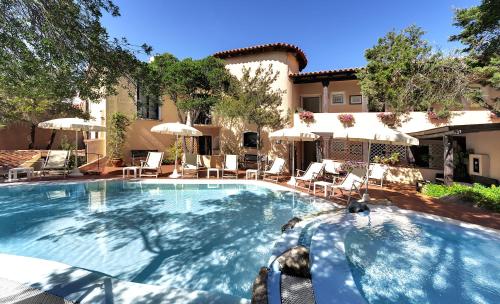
x=186, y=235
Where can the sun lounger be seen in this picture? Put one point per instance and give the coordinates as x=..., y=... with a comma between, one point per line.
x=275, y=170
x=152, y=163
x=309, y=176
x=190, y=163
x=353, y=182
x=230, y=166
x=56, y=161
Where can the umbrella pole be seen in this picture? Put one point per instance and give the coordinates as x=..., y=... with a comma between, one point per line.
x=76, y=171
x=292, y=179
x=175, y=174
x=366, y=196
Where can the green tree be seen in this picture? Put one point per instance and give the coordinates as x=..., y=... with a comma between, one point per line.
x=256, y=101
x=405, y=74
x=481, y=36
x=195, y=86
x=54, y=50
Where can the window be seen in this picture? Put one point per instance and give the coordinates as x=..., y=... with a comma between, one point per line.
x=147, y=106
x=355, y=99
x=337, y=98
x=250, y=140
x=311, y=104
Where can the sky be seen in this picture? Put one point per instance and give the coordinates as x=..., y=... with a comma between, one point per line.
x=332, y=33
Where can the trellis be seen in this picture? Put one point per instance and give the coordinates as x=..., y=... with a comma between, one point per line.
x=345, y=150
x=387, y=150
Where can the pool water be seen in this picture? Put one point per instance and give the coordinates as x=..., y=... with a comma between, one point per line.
x=211, y=237
x=403, y=259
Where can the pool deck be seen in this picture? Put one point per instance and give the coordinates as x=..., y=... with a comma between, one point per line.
x=402, y=196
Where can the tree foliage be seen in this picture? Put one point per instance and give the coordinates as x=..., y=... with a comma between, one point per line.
x=405, y=74
x=54, y=50
x=481, y=36
x=195, y=86
x=117, y=134
x=256, y=101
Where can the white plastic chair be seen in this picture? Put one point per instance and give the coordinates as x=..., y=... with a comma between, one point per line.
x=152, y=163
x=353, y=181
x=378, y=172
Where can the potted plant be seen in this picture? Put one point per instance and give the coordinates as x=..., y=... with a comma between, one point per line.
x=438, y=116
x=306, y=116
x=117, y=135
x=346, y=119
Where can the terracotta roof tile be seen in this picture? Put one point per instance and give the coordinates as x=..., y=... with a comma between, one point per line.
x=299, y=54
x=15, y=158
x=327, y=72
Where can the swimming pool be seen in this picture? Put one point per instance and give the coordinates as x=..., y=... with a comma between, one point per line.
x=211, y=237
x=396, y=258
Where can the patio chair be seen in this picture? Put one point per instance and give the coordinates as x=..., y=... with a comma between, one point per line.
x=152, y=163
x=309, y=176
x=230, y=165
x=56, y=161
x=353, y=182
x=378, y=173
x=275, y=170
x=190, y=162
x=332, y=167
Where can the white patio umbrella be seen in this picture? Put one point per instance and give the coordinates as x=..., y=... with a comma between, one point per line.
x=381, y=135
x=293, y=135
x=177, y=129
x=72, y=124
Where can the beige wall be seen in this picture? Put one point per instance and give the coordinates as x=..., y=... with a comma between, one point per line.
x=486, y=143
x=17, y=137
x=347, y=87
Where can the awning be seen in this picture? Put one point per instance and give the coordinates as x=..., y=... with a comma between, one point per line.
x=455, y=130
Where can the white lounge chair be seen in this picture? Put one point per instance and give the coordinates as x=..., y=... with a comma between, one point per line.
x=378, y=172
x=332, y=167
x=353, y=181
x=310, y=175
x=190, y=162
x=230, y=165
x=275, y=170
x=56, y=161
x=152, y=163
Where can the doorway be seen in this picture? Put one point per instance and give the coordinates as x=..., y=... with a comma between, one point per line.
x=309, y=153
x=311, y=104
x=205, y=145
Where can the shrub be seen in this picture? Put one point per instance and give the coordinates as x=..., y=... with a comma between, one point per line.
x=170, y=152
x=481, y=196
x=117, y=134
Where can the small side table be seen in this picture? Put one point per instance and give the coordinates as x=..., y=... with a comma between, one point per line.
x=15, y=171
x=128, y=170
x=210, y=170
x=249, y=172
x=323, y=184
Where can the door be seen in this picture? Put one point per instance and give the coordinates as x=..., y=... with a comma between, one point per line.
x=309, y=152
x=460, y=159
x=205, y=145
x=311, y=104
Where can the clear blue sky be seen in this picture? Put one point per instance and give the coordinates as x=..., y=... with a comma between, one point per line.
x=332, y=33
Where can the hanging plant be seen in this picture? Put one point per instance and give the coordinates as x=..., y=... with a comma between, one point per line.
x=306, y=116
x=346, y=119
x=387, y=118
x=493, y=115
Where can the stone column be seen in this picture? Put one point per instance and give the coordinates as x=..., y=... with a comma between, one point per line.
x=448, y=160
x=325, y=98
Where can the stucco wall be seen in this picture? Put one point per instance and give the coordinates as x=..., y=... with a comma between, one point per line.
x=347, y=87
x=17, y=137
x=487, y=143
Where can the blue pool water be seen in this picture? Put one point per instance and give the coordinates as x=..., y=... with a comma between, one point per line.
x=199, y=236
x=402, y=259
